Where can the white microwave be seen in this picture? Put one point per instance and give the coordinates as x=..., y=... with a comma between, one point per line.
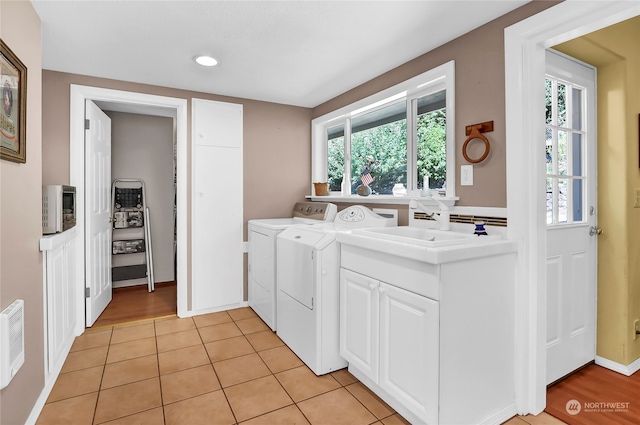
x=58, y=208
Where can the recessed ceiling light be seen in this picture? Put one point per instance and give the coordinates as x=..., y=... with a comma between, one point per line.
x=206, y=60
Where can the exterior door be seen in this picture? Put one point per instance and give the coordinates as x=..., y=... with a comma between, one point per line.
x=97, y=212
x=571, y=214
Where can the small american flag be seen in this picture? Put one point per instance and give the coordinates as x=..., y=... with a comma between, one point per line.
x=366, y=178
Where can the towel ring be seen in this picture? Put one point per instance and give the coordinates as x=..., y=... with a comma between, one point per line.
x=475, y=134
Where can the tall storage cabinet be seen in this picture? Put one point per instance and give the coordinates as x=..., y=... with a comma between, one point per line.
x=217, y=233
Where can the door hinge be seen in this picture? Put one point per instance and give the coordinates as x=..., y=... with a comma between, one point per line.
x=87, y=292
x=87, y=124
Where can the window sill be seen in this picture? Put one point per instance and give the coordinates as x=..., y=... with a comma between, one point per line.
x=383, y=199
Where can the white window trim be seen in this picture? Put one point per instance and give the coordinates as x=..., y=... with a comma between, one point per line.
x=441, y=77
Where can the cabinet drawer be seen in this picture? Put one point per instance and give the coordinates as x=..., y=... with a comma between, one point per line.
x=414, y=276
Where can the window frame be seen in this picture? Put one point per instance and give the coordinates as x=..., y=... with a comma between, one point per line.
x=434, y=80
x=568, y=128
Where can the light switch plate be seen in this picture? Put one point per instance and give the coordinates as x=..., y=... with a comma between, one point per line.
x=466, y=175
x=636, y=204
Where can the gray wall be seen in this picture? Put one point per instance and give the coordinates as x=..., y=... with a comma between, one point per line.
x=21, y=217
x=142, y=148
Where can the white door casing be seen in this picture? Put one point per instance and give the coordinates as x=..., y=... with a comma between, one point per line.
x=571, y=215
x=525, y=44
x=141, y=103
x=97, y=212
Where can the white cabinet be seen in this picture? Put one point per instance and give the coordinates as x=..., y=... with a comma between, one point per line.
x=60, y=304
x=409, y=344
x=391, y=335
x=435, y=341
x=217, y=212
x=359, y=322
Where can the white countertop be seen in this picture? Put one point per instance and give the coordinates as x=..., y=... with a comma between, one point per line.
x=49, y=242
x=438, y=255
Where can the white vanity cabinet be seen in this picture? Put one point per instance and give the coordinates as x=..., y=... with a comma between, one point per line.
x=435, y=341
x=391, y=336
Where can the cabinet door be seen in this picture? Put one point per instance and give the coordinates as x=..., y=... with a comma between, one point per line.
x=359, y=315
x=217, y=214
x=409, y=341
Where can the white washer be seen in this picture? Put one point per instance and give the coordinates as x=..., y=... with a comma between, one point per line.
x=262, y=233
x=308, y=261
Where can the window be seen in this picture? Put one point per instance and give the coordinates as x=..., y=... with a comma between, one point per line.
x=565, y=151
x=401, y=135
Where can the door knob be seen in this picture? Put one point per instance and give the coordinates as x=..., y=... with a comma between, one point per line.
x=593, y=230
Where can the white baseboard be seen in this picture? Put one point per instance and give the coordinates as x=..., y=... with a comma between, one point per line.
x=502, y=416
x=192, y=313
x=617, y=367
x=48, y=386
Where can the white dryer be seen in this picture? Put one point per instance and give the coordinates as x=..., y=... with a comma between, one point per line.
x=308, y=266
x=262, y=233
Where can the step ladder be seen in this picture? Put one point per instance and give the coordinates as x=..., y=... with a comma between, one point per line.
x=131, y=230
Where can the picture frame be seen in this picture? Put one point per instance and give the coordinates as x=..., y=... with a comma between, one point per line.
x=13, y=114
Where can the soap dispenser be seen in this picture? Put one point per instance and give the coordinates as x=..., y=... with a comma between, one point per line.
x=425, y=186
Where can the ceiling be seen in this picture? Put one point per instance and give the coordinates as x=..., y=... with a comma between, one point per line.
x=299, y=53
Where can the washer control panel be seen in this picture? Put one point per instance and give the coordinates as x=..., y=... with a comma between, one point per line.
x=358, y=216
x=352, y=215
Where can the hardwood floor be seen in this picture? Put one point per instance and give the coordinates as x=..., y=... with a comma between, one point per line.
x=603, y=397
x=135, y=303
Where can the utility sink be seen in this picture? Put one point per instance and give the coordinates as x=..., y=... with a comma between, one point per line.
x=430, y=238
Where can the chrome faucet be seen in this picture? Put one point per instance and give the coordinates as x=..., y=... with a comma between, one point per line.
x=442, y=218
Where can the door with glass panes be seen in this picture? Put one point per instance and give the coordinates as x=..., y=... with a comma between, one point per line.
x=571, y=260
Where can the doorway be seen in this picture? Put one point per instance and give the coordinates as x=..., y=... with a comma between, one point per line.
x=142, y=153
x=525, y=44
x=139, y=103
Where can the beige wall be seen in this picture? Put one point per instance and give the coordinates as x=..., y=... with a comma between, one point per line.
x=615, y=51
x=142, y=148
x=479, y=61
x=277, y=142
x=21, y=217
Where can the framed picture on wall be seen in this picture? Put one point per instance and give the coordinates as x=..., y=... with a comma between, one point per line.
x=13, y=80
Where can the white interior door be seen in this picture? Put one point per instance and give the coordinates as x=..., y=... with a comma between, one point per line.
x=97, y=212
x=571, y=215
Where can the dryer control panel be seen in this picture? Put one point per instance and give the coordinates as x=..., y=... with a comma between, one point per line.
x=321, y=211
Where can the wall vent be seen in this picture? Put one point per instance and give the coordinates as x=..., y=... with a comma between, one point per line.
x=11, y=341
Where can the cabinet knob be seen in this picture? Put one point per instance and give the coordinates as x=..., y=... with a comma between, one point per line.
x=380, y=289
x=372, y=285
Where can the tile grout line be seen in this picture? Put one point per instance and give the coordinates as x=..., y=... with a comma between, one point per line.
x=104, y=368
x=214, y=370
x=155, y=336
